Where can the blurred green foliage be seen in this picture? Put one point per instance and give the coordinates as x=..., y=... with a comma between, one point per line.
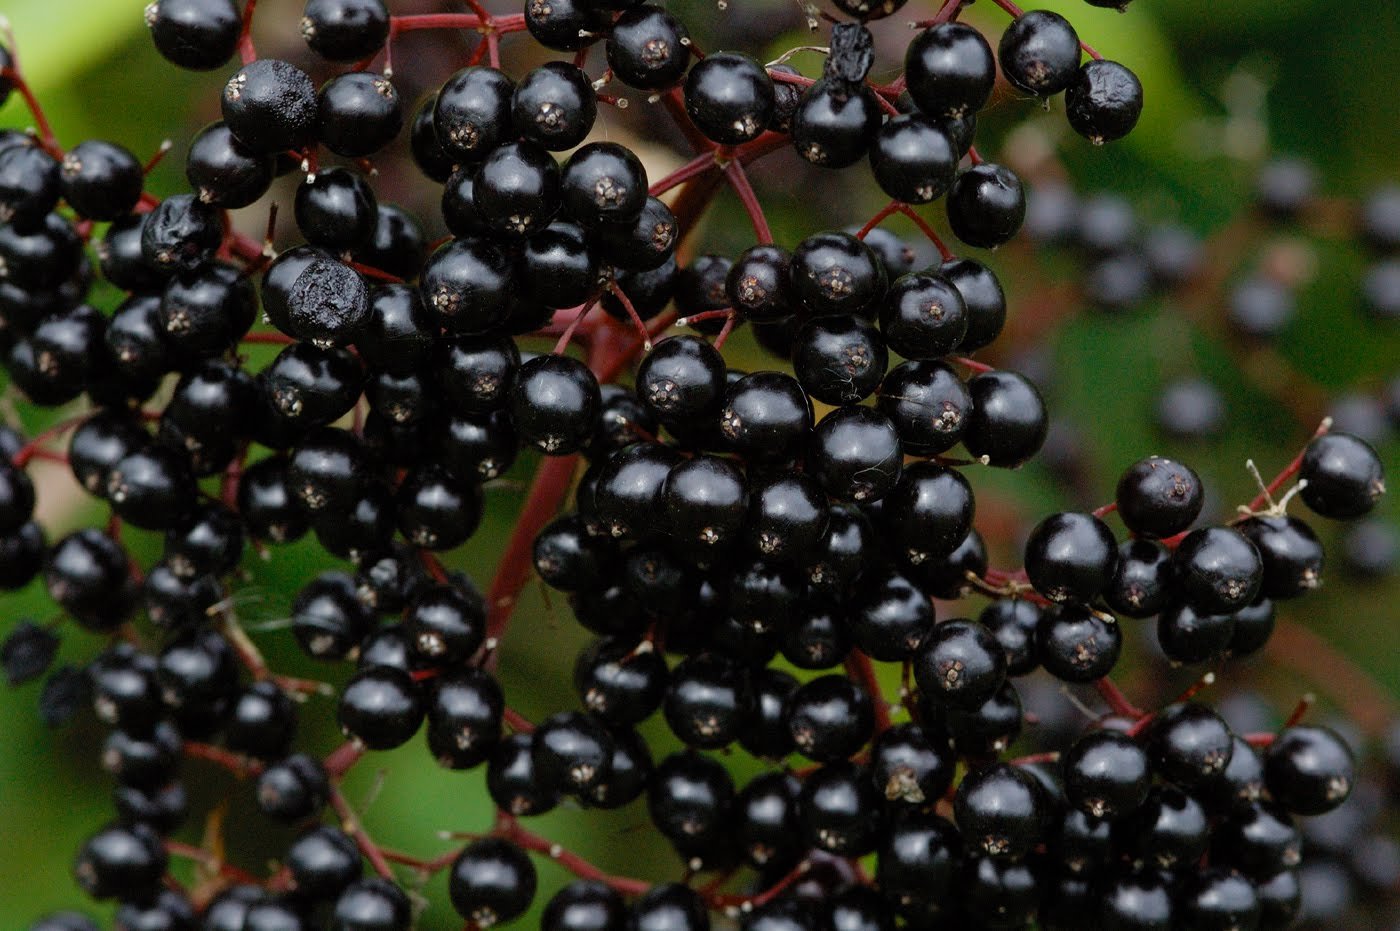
x=1308, y=75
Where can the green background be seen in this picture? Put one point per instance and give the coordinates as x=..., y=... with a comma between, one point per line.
x=1307, y=77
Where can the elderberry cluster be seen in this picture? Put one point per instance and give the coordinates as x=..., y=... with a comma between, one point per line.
x=758, y=554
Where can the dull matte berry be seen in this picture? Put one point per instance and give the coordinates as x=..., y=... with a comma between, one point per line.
x=270, y=106
x=309, y=294
x=182, y=232
x=196, y=34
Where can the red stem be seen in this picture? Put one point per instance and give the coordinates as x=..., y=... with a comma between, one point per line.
x=410, y=22
x=637, y=323
x=567, y=336
x=946, y=13
x=696, y=166
x=723, y=335
x=510, y=829
x=210, y=861
x=518, y=722
x=272, y=338
x=671, y=101
x=161, y=151
x=862, y=671
x=235, y=764
x=41, y=122
x=922, y=224
x=1289, y=470
x=972, y=364
x=885, y=213
x=1105, y=509
x=246, y=51
x=1118, y=703
x=547, y=493
x=31, y=449
x=350, y=823
x=338, y=762
x=739, y=181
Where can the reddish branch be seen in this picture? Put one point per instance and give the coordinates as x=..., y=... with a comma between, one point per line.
x=31, y=449
x=41, y=122
x=246, y=51
x=862, y=670
x=211, y=861
x=547, y=493
x=1290, y=470
x=350, y=823
x=1118, y=703
x=739, y=181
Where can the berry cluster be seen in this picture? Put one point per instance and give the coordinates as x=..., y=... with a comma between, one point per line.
x=746, y=547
